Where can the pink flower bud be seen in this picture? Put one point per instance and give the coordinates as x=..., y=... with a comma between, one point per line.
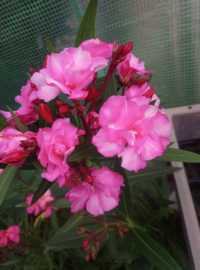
x=46, y=113
x=14, y=157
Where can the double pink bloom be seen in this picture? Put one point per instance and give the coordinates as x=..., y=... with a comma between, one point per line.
x=134, y=132
x=56, y=143
x=9, y=235
x=72, y=70
x=99, y=194
x=27, y=113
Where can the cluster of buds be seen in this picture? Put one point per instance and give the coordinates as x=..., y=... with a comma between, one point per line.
x=97, y=236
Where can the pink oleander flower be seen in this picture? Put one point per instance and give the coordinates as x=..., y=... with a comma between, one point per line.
x=99, y=193
x=130, y=66
x=56, y=143
x=134, y=132
x=97, y=48
x=70, y=72
x=139, y=94
x=11, y=234
x=27, y=113
x=41, y=205
x=1, y=170
x=15, y=146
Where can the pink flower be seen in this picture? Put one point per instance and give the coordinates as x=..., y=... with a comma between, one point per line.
x=27, y=113
x=1, y=170
x=137, y=93
x=70, y=72
x=130, y=66
x=134, y=132
x=55, y=144
x=10, y=141
x=100, y=194
x=15, y=146
x=41, y=205
x=11, y=234
x=97, y=48
x=33, y=208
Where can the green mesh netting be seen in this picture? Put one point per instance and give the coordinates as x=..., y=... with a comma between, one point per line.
x=165, y=34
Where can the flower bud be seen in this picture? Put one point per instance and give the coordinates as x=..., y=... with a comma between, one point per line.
x=46, y=113
x=88, y=256
x=149, y=93
x=45, y=61
x=88, y=179
x=31, y=70
x=86, y=241
x=14, y=157
x=92, y=94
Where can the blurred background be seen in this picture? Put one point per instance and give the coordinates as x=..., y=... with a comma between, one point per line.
x=165, y=34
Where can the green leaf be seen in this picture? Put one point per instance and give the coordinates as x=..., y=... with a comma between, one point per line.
x=87, y=24
x=179, y=254
x=21, y=127
x=23, y=205
x=61, y=203
x=37, y=164
x=173, y=154
x=6, y=178
x=110, y=89
x=155, y=253
x=68, y=239
x=43, y=187
x=157, y=216
x=112, y=246
x=72, y=223
x=81, y=151
x=125, y=203
x=149, y=173
x=3, y=124
x=50, y=46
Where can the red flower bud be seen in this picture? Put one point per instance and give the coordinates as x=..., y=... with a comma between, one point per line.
x=88, y=179
x=142, y=81
x=92, y=94
x=149, y=93
x=86, y=241
x=125, y=229
x=31, y=70
x=88, y=256
x=14, y=156
x=46, y=113
x=63, y=110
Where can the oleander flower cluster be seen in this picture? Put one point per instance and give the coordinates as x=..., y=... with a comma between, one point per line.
x=79, y=126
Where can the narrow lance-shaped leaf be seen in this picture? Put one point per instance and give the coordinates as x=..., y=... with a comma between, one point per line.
x=155, y=253
x=43, y=187
x=173, y=154
x=149, y=173
x=61, y=203
x=50, y=46
x=6, y=179
x=81, y=151
x=21, y=127
x=87, y=24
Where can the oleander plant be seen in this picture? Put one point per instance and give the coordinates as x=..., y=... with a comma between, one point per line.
x=81, y=184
